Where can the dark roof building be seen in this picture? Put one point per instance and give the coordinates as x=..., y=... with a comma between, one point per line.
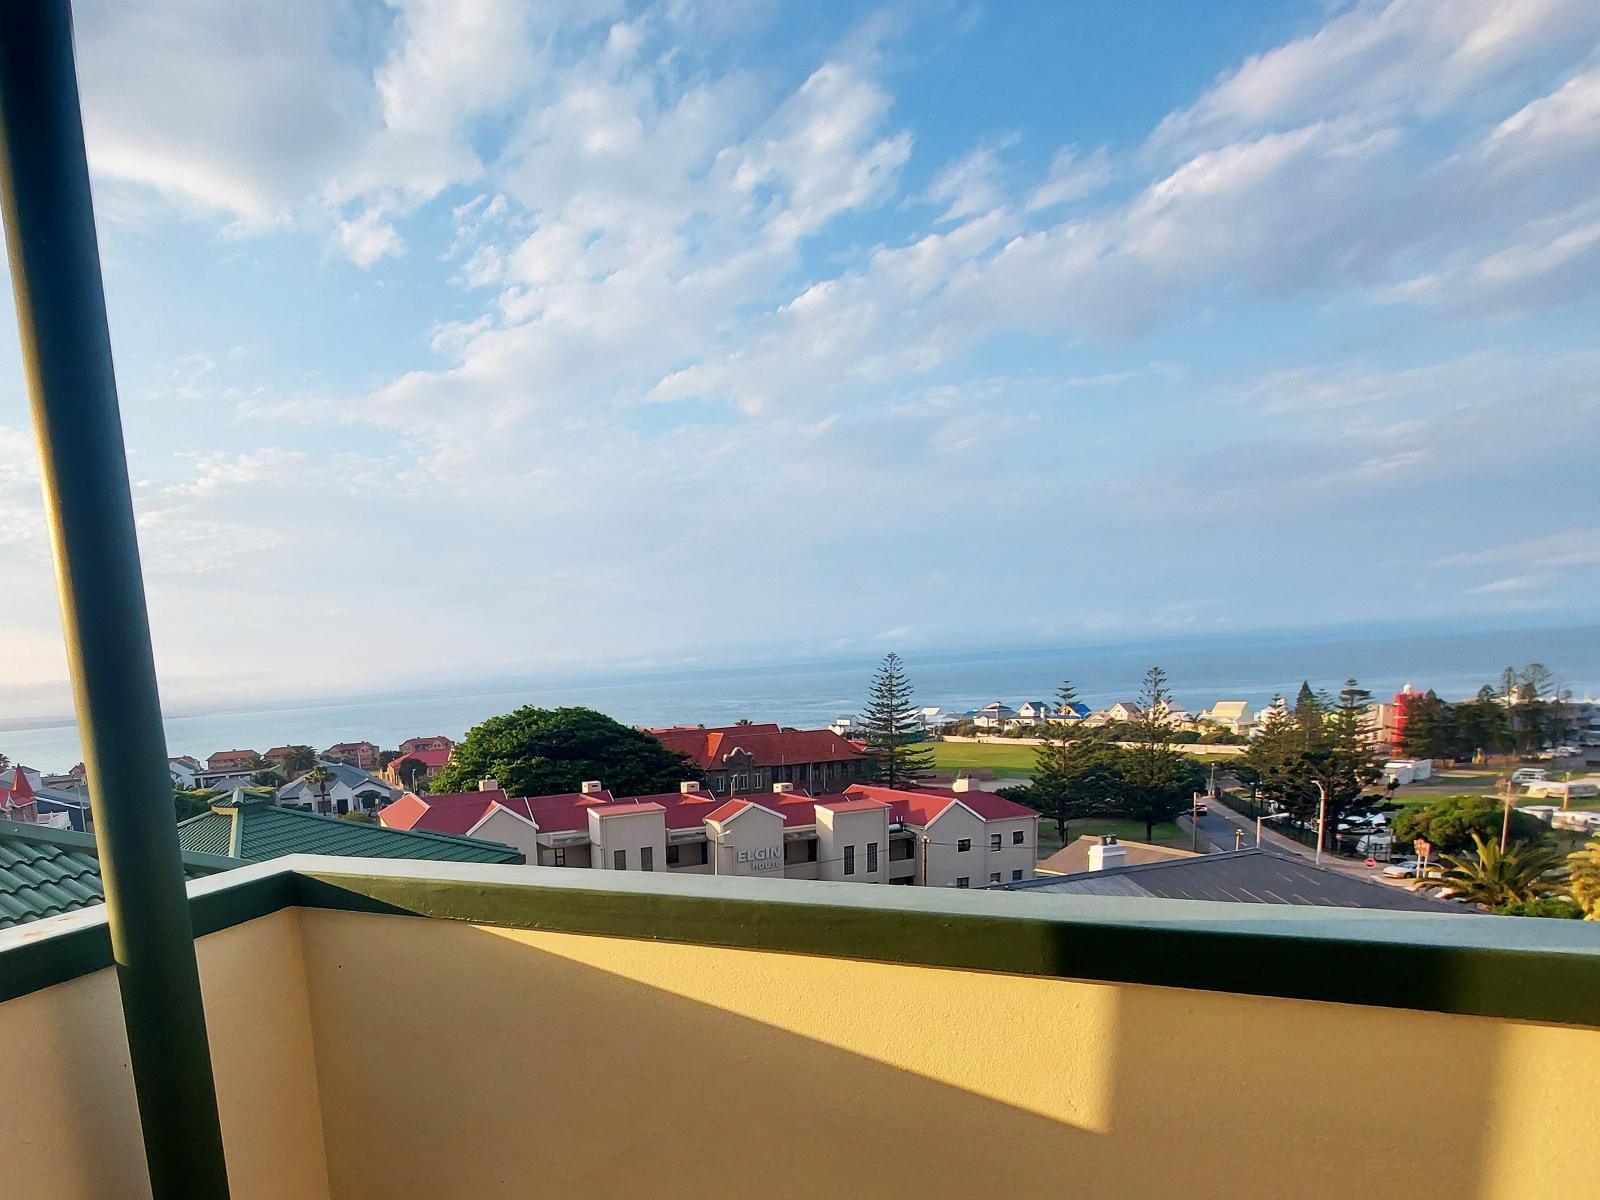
x=250, y=828
x=1240, y=877
x=45, y=872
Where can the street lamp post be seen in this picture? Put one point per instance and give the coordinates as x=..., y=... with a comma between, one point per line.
x=1322, y=818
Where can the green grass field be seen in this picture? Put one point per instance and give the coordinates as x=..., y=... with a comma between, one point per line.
x=1168, y=834
x=1002, y=760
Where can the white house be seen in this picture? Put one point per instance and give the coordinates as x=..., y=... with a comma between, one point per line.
x=347, y=789
x=1035, y=711
x=1236, y=716
x=994, y=715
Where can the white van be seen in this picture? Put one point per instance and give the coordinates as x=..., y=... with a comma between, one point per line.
x=1523, y=776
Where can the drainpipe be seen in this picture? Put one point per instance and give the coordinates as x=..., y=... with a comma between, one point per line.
x=66, y=356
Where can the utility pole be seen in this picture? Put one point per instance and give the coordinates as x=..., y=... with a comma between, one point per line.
x=1322, y=818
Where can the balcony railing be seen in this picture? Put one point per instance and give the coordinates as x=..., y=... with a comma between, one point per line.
x=431, y=1030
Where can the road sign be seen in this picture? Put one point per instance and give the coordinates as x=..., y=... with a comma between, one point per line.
x=1423, y=847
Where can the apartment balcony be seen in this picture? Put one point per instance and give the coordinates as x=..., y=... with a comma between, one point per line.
x=388, y=1029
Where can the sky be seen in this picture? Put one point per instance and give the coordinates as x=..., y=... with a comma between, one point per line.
x=458, y=337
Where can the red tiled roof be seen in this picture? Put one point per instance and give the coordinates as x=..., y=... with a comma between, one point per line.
x=860, y=804
x=428, y=758
x=767, y=745
x=921, y=805
x=20, y=792
x=276, y=751
x=627, y=810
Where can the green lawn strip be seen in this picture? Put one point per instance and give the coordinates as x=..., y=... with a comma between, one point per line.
x=1167, y=834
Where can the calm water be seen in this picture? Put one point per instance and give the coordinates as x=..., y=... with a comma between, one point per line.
x=811, y=694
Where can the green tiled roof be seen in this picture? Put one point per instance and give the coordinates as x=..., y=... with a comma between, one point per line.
x=254, y=831
x=48, y=871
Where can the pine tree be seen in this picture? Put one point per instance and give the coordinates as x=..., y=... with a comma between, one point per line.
x=1159, y=780
x=892, y=728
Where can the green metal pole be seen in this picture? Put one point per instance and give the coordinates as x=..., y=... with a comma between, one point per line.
x=66, y=354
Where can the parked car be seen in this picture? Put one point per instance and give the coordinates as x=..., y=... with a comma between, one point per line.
x=1406, y=868
x=1526, y=775
x=1200, y=808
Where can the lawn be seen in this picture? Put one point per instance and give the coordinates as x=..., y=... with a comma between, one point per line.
x=1003, y=760
x=1168, y=834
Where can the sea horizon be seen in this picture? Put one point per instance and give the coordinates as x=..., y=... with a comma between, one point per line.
x=812, y=692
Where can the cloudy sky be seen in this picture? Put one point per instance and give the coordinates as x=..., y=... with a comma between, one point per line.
x=457, y=338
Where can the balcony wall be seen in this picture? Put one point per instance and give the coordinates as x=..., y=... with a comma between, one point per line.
x=714, y=1038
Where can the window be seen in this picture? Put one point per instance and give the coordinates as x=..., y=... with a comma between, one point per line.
x=849, y=860
x=741, y=783
x=994, y=841
x=901, y=850
x=558, y=858
x=963, y=881
x=872, y=857
x=647, y=858
x=1016, y=875
x=811, y=850
x=994, y=876
x=619, y=860
x=673, y=855
x=963, y=845
x=1016, y=837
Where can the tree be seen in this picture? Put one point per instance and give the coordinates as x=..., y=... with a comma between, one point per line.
x=299, y=760
x=4, y=762
x=317, y=780
x=892, y=728
x=548, y=751
x=1076, y=777
x=744, y=721
x=1322, y=751
x=1158, y=780
x=411, y=772
x=1584, y=865
x=1483, y=726
x=1451, y=822
x=190, y=804
x=1492, y=879
x=267, y=777
x=1430, y=728
x=385, y=757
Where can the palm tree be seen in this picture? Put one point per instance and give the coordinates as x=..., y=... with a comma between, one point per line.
x=1491, y=878
x=299, y=759
x=318, y=779
x=1584, y=863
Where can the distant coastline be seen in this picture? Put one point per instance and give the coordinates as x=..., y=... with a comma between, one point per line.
x=813, y=692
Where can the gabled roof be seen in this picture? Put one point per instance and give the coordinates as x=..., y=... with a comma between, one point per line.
x=44, y=872
x=428, y=758
x=253, y=830
x=1073, y=858
x=767, y=745
x=922, y=806
x=858, y=804
x=353, y=778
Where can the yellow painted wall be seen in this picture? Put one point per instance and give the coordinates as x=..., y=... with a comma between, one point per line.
x=462, y=1061
x=71, y=1128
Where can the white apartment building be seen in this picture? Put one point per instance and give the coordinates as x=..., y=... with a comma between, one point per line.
x=934, y=837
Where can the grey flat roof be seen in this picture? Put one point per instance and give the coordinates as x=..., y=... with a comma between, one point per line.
x=1241, y=876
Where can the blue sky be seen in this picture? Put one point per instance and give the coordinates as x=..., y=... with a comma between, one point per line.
x=468, y=338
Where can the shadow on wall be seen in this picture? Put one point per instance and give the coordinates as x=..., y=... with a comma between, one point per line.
x=458, y=1060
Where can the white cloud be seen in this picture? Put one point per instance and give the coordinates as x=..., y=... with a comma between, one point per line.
x=367, y=238
x=1071, y=178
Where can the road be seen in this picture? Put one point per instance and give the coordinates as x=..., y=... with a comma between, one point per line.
x=1217, y=832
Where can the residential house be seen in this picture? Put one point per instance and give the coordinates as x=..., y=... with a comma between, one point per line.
x=1076, y=711
x=1236, y=716
x=226, y=781
x=185, y=770
x=23, y=791
x=232, y=760
x=401, y=771
x=751, y=758
x=994, y=715
x=253, y=829
x=941, y=837
x=1121, y=713
x=437, y=742
x=1034, y=712
x=356, y=754
x=346, y=789
x=277, y=757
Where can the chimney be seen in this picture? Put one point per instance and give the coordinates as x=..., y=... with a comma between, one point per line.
x=783, y=789
x=1107, y=854
x=488, y=785
x=964, y=783
x=689, y=787
x=591, y=787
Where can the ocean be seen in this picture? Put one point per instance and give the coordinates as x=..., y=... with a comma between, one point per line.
x=1200, y=671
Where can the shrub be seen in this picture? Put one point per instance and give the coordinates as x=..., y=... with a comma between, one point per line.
x=1546, y=906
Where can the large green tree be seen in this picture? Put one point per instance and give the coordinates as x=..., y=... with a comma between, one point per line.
x=1430, y=728
x=1158, y=780
x=1325, y=749
x=298, y=761
x=893, y=732
x=1451, y=822
x=1483, y=726
x=548, y=751
x=1077, y=774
